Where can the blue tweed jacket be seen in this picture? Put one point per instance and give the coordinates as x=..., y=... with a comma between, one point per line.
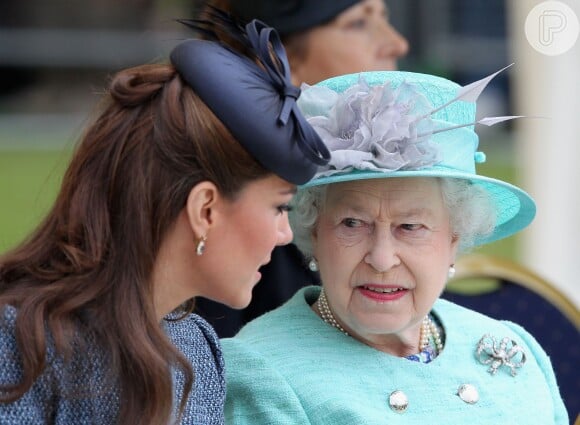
x=288, y=367
x=56, y=398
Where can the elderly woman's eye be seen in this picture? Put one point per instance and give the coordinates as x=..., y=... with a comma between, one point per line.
x=411, y=226
x=352, y=222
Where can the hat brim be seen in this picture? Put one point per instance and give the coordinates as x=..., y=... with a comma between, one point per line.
x=515, y=209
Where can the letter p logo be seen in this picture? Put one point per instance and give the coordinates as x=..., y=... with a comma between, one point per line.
x=551, y=22
x=552, y=28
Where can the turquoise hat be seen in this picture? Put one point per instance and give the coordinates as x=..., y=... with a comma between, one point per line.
x=402, y=124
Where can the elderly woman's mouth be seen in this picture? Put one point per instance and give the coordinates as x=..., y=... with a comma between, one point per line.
x=382, y=292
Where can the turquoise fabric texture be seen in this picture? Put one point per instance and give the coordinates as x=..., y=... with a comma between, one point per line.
x=458, y=148
x=288, y=367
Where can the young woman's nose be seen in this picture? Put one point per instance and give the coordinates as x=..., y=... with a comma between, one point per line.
x=284, y=231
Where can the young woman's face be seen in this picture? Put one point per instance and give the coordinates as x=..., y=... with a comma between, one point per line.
x=359, y=39
x=384, y=248
x=250, y=227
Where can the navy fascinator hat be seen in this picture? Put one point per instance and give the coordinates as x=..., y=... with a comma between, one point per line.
x=255, y=100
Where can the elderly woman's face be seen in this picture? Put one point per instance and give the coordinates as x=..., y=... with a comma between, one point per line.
x=358, y=39
x=384, y=248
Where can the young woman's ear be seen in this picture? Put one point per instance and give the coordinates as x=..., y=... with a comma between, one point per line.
x=200, y=207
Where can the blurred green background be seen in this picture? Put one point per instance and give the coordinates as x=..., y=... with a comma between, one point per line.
x=29, y=181
x=42, y=97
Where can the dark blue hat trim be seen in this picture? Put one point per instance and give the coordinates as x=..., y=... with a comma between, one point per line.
x=257, y=105
x=291, y=16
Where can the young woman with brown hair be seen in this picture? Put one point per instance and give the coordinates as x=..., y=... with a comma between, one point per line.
x=176, y=190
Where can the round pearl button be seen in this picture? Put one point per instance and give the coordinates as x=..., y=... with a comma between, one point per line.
x=398, y=401
x=468, y=393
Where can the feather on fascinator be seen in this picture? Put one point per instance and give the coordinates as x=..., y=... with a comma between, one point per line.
x=251, y=93
x=402, y=124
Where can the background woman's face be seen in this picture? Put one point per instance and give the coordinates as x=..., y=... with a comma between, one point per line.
x=359, y=39
x=384, y=248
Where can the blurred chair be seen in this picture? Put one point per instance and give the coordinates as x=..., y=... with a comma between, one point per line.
x=506, y=290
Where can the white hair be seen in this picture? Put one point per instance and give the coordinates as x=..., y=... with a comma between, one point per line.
x=471, y=211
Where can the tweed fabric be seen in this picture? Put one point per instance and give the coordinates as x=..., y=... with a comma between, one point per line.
x=59, y=397
x=289, y=367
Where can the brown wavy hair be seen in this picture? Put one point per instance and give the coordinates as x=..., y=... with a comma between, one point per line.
x=86, y=269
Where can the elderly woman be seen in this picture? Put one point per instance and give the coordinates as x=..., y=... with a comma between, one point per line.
x=384, y=222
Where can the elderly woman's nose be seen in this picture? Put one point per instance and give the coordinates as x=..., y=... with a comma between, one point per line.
x=285, y=234
x=383, y=253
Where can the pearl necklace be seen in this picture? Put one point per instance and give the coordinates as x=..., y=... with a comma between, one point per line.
x=326, y=313
x=428, y=329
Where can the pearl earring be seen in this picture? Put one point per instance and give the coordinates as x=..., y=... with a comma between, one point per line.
x=451, y=272
x=200, y=249
x=313, y=265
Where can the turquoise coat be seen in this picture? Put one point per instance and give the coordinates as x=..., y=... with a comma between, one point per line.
x=288, y=367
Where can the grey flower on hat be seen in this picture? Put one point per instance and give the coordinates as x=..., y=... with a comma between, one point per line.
x=372, y=127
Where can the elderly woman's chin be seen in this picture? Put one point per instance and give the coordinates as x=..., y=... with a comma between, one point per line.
x=367, y=321
x=390, y=308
